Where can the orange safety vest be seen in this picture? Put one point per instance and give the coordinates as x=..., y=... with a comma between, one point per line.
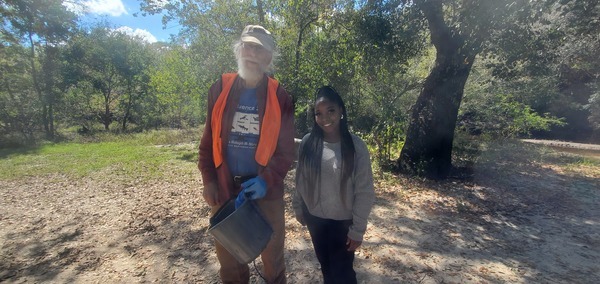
x=269, y=129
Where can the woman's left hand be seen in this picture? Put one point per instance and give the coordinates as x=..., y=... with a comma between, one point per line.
x=352, y=244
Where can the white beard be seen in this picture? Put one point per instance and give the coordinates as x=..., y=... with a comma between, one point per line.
x=249, y=75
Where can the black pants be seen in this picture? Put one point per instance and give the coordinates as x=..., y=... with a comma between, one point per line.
x=329, y=240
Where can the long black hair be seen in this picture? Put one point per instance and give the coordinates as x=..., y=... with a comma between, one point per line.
x=311, y=153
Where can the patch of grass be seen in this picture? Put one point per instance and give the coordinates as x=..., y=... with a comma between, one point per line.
x=151, y=137
x=582, y=165
x=510, y=158
x=127, y=155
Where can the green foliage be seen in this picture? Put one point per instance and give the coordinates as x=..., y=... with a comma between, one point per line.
x=35, y=21
x=500, y=109
x=386, y=143
x=111, y=77
x=176, y=90
x=40, y=26
x=375, y=53
x=377, y=76
x=552, y=49
x=594, y=108
x=467, y=148
x=19, y=110
x=502, y=116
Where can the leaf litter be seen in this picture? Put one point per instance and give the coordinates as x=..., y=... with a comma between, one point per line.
x=510, y=222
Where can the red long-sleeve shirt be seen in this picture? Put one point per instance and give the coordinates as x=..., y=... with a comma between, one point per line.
x=280, y=162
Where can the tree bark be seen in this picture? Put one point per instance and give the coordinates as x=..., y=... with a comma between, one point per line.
x=428, y=148
x=261, y=12
x=38, y=89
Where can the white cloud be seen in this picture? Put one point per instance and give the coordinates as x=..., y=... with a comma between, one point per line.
x=143, y=34
x=74, y=7
x=112, y=8
x=159, y=3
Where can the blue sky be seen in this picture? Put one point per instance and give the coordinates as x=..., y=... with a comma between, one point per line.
x=120, y=14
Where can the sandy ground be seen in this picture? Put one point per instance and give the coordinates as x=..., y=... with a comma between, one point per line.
x=516, y=219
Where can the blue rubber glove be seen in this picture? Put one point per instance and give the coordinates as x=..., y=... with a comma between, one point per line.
x=255, y=188
x=240, y=199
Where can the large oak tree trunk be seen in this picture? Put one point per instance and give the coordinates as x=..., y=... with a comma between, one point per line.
x=428, y=147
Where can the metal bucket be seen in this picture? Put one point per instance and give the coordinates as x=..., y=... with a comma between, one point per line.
x=243, y=232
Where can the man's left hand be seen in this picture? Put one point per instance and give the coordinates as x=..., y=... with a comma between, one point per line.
x=255, y=188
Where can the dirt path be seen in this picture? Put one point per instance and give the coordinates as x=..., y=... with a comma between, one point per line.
x=519, y=219
x=564, y=144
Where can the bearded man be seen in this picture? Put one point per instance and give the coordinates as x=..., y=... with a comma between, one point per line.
x=247, y=148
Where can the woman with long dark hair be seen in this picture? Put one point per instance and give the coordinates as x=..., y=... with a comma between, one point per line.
x=334, y=187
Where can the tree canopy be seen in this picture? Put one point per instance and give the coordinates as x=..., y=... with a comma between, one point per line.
x=413, y=74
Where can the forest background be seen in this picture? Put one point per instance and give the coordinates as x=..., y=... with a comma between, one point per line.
x=99, y=131
x=420, y=78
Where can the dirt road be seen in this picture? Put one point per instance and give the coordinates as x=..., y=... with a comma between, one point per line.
x=521, y=218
